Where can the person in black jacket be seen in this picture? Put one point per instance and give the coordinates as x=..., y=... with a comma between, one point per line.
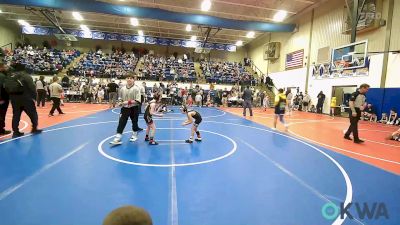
x=320, y=103
x=23, y=101
x=4, y=98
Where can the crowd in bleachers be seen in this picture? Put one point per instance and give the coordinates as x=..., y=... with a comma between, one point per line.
x=98, y=64
x=170, y=69
x=42, y=61
x=226, y=73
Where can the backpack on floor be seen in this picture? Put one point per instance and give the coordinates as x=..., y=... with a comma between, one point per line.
x=13, y=85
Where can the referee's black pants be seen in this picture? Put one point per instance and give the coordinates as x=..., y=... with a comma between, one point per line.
x=125, y=114
x=56, y=105
x=353, y=128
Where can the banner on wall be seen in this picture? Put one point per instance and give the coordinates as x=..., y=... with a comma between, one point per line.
x=163, y=41
x=97, y=35
x=111, y=37
x=138, y=39
x=151, y=40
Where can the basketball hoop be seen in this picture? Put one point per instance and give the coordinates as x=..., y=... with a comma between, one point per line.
x=341, y=65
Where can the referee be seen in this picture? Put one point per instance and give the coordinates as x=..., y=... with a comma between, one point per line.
x=356, y=103
x=129, y=97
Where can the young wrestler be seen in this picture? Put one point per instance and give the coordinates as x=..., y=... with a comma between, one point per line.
x=152, y=110
x=192, y=115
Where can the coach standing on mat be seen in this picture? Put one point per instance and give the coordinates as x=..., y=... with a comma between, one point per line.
x=247, y=96
x=356, y=103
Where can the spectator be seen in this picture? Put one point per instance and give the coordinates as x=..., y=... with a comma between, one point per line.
x=320, y=103
x=55, y=95
x=313, y=109
x=41, y=91
x=247, y=97
x=100, y=95
x=333, y=106
x=266, y=102
x=306, y=101
x=395, y=136
x=261, y=97
x=112, y=93
x=300, y=98
x=289, y=97
x=225, y=98
x=198, y=99
x=392, y=117
x=384, y=118
x=369, y=113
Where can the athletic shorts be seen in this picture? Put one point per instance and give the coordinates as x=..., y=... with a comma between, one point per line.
x=197, y=122
x=148, y=119
x=279, y=111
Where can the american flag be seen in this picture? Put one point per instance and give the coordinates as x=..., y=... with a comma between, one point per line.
x=294, y=59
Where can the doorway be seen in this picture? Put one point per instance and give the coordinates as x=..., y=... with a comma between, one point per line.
x=342, y=95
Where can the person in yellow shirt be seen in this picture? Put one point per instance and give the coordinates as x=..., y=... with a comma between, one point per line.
x=333, y=106
x=280, y=105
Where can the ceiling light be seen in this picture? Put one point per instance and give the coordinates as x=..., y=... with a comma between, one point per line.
x=23, y=23
x=193, y=38
x=134, y=22
x=77, y=16
x=206, y=5
x=188, y=27
x=280, y=16
x=140, y=32
x=85, y=28
x=239, y=43
x=250, y=34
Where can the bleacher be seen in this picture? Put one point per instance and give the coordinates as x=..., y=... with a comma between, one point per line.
x=226, y=73
x=99, y=64
x=161, y=68
x=42, y=61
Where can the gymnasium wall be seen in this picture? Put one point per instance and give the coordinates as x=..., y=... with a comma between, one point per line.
x=393, y=71
x=326, y=32
x=86, y=45
x=8, y=32
x=395, y=34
